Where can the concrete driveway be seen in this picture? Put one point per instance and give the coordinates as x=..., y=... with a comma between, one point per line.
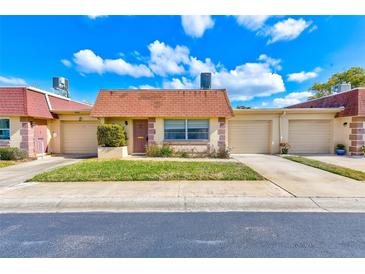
x=301, y=180
x=16, y=174
x=344, y=161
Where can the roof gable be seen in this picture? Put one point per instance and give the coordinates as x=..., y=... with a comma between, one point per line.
x=162, y=103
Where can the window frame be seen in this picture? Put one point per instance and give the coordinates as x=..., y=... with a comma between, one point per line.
x=186, y=139
x=8, y=129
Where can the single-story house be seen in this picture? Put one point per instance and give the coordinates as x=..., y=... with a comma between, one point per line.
x=39, y=122
x=199, y=119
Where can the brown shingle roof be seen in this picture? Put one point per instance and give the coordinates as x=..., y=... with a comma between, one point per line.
x=162, y=103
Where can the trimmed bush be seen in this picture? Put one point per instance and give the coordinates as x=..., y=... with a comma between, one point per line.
x=12, y=153
x=111, y=135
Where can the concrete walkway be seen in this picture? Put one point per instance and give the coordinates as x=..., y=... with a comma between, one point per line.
x=301, y=180
x=16, y=174
x=344, y=161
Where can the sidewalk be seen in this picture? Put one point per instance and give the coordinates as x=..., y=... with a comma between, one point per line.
x=183, y=196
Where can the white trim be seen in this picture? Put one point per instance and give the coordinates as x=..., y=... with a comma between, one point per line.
x=48, y=102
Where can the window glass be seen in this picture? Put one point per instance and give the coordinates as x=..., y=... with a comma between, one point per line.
x=198, y=129
x=174, y=129
x=4, y=129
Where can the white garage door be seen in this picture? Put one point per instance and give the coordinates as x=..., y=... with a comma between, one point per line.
x=79, y=137
x=249, y=136
x=310, y=136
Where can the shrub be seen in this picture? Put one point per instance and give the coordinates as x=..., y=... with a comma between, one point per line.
x=363, y=150
x=159, y=151
x=12, y=153
x=111, y=135
x=222, y=153
x=284, y=148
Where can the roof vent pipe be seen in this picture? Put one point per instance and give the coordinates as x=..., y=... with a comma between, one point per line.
x=205, y=80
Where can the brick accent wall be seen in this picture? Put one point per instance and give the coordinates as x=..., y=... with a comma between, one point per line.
x=4, y=143
x=357, y=135
x=151, y=131
x=221, y=133
x=27, y=134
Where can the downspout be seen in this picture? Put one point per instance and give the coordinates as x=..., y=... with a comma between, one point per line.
x=281, y=125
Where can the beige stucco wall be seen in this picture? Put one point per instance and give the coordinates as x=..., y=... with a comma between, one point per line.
x=342, y=131
x=55, y=129
x=15, y=127
x=159, y=135
x=280, y=125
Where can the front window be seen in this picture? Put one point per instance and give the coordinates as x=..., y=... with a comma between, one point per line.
x=191, y=129
x=4, y=129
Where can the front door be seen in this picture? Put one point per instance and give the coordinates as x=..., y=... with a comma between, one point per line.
x=140, y=134
x=40, y=136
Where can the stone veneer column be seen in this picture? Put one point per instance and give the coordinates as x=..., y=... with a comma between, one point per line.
x=27, y=136
x=151, y=131
x=221, y=133
x=357, y=136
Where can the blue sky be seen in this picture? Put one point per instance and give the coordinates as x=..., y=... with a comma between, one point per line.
x=262, y=61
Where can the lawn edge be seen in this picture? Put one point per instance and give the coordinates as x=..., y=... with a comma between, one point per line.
x=329, y=169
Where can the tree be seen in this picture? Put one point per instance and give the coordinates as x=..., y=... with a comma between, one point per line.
x=354, y=75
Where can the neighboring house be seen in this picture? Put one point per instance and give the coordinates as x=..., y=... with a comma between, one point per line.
x=34, y=120
x=350, y=122
x=200, y=119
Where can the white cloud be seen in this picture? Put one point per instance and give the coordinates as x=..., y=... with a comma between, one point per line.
x=176, y=83
x=242, y=83
x=12, y=80
x=88, y=62
x=165, y=60
x=286, y=30
x=302, y=76
x=249, y=80
x=93, y=17
x=196, y=66
x=252, y=22
x=275, y=63
x=196, y=25
x=292, y=99
x=66, y=63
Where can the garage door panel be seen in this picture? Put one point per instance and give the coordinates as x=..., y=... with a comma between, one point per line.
x=249, y=136
x=310, y=136
x=79, y=137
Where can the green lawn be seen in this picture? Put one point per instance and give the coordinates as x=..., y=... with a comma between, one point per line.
x=6, y=163
x=129, y=170
x=343, y=171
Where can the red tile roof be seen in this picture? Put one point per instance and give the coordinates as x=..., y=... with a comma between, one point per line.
x=31, y=102
x=353, y=101
x=62, y=104
x=162, y=103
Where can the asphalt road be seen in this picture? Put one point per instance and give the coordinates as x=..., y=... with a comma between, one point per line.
x=182, y=235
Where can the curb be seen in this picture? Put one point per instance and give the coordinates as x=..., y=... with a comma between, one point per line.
x=182, y=204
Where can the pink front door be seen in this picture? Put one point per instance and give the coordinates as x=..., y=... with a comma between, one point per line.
x=40, y=137
x=140, y=134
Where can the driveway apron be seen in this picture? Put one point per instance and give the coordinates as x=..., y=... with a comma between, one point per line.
x=301, y=180
x=10, y=176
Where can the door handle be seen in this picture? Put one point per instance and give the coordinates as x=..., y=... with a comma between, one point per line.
x=140, y=137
